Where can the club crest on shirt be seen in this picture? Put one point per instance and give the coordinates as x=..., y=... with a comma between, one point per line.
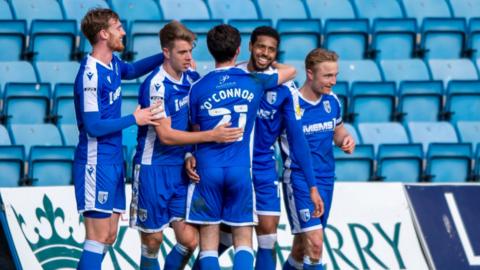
x=305, y=215
x=102, y=197
x=142, y=214
x=271, y=97
x=326, y=106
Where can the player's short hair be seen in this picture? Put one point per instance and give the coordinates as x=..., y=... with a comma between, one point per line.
x=223, y=41
x=318, y=56
x=265, y=31
x=96, y=20
x=175, y=30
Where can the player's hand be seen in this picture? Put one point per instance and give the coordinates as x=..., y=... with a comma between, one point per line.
x=317, y=202
x=224, y=134
x=193, y=65
x=348, y=144
x=190, y=165
x=147, y=116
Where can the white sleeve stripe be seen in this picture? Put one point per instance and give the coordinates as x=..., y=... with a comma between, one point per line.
x=157, y=95
x=90, y=89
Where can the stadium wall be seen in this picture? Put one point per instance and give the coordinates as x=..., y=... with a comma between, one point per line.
x=371, y=226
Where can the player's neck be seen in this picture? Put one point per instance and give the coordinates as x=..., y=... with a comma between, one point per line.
x=177, y=75
x=103, y=54
x=230, y=63
x=308, y=93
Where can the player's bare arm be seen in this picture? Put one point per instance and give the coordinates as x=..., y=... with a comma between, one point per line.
x=285, y=72
x=344, y=140
x=221, y=134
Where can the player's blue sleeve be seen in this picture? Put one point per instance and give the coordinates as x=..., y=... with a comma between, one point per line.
x=88, y=90
x=139, y=68
x=338, y=116
x=299, y=146
x=268, y=80
x=96, y=127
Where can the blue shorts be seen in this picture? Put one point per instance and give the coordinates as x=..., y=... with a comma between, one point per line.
x=99, y=188
x=267, y=192
x=222, y=195
x=158, y=197
x=299, y=205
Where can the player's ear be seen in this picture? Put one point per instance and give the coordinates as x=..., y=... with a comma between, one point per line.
x=102, y=34
x=166, y=52
x=309, y=74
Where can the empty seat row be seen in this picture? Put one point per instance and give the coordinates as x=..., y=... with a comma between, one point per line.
x=443, y=162
x=240, y=9
x=412, y=101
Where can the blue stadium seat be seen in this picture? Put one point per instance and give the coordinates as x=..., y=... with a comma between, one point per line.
x=16, y=71
x=12, y=159
x=129, y=97
x=299, y=26
x=200, y=52
x=236, y=9
x=464, y=8
x=348, y=38
x=57, y=72
x=399, y=162
x=129, y=138
x=399, y=70
x=421, y=9
x=37, y=9
x=4, y=137
x=281, y=9
x=463, y=100
x=452, y=69
x=76, y=9
x=201, y=26
x=246, y=27
x=356, y=167
x=184, y=9
x=48, y=34
x=469, y=132
x=474, y=40
x=12, y=39
x=143, y=38
x=382, y=133
x=449, y=162
x=130, y=10
x=443, y=38
x=420, y=101
x=5, y=11
x=353, y=132
x=372, y=101
x=26, y=103
x=373, y=9
x=63, y=109
x=394, y=38
x=51, y=165
x=358, y=71
x=295, y=46
x=341, y=91
x=69, y=134
x=34, y=134
x=330, y=9
x=431, y=132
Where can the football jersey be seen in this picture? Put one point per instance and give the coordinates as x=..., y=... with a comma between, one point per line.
x=97, y=89
x=228, y=95
x=160, y=87
x=319, y=120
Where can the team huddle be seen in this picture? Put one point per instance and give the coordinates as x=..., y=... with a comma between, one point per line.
x=205, y=160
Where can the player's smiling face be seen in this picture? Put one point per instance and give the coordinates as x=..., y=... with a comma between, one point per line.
x=180, y=55
x=323, y=77
x=115, y=35
x=263, y=52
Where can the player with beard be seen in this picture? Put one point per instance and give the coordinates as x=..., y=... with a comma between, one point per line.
x=322, y=124
x=98, y=165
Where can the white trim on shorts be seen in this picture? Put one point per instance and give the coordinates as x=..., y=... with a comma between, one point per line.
x=240, y=224
x=269, y=213
x=142, y=229
x=308, y=229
